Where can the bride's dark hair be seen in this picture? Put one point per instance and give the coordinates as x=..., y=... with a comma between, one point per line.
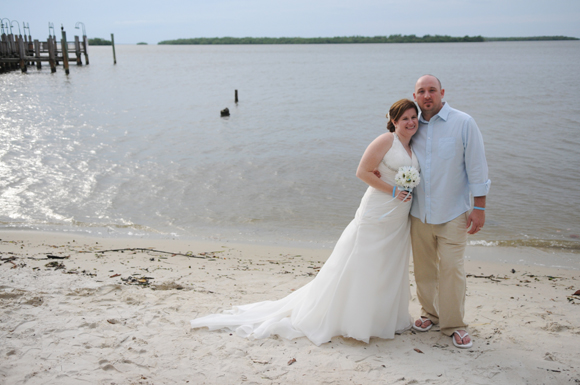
x=397, y=110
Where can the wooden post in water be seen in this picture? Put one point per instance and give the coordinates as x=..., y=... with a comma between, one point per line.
x=29, y=48
x=236, y=96
x=114, y=56
x=56, y=60
x=37, y=54
x=64, y=46
x=78, y=51
x=12, y=50
x=30, y=43
x=6, y=42
x=85, y=47
x=25, y=45
x=21, y=53
x=2, y=53
x=52, y=53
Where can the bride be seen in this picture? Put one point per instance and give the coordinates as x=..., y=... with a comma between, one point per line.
x=362, y=290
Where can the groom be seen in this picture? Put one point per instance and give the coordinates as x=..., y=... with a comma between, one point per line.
x=450, y=151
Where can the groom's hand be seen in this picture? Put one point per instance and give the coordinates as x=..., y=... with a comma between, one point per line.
x=476, y=220
x=404, y=196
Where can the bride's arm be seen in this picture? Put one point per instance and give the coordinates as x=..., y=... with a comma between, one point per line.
x=370, y=161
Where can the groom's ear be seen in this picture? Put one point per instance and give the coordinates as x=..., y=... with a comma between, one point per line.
x=442, y=93
x=414, y=97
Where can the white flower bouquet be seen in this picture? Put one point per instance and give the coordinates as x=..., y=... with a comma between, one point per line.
x=407, y=178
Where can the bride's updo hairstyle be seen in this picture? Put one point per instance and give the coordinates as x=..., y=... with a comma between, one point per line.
x=397, y=110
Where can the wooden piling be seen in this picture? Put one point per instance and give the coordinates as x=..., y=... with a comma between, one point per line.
x=56, y=58
x=29, y=49
x=5, y=53
x=64, y=47
x=14, y=44
x=2, y=54
x=113, y=42
x=11, y=49
x=21, y=53
x=37, y=54
x=85, y=48
x=52, y=53
x=6, y=40
x=78, y=51
x=25, y=43
x=236, y=96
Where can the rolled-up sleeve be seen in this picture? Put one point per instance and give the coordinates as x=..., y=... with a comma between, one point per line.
x=475, y=162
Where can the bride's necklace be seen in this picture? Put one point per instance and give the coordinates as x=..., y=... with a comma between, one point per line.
x=407, y=146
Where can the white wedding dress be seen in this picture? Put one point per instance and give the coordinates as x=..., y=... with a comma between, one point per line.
x=362, y=290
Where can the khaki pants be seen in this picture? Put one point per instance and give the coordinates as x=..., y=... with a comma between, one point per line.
x=438, y=252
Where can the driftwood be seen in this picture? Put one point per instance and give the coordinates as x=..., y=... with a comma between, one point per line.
x=48, y=256
x=144, y=249
x=492, y=277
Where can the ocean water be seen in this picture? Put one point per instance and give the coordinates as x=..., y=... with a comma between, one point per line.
x=139, y=148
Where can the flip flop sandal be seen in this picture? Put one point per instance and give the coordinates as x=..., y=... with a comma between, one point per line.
x=461, y=346
x=426, y=328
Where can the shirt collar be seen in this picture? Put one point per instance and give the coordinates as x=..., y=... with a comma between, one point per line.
x=443, y=113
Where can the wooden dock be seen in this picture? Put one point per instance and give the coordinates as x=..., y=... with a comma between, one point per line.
x=20, y=52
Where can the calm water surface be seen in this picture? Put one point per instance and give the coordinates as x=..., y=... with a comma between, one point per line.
x=139, y=148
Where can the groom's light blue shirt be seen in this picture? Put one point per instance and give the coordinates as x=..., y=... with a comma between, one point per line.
x=450, y=151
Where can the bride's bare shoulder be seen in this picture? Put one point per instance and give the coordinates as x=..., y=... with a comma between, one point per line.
x=385, y=139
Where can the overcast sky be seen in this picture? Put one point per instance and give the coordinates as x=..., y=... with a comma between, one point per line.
x=152, y=21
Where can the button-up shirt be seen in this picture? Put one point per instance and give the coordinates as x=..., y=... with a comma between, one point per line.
x=450, y=151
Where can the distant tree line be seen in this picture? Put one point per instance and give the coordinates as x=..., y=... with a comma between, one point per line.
x=356, y=39
x=532, y=38
x=99, y=41
x=327, y=40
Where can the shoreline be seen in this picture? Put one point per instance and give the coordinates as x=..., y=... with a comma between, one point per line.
x=475, y=250
x=79, y=309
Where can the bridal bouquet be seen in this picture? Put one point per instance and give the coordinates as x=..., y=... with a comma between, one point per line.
x=407, y=178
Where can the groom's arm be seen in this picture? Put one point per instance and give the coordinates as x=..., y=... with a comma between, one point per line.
x=477, y=174
x=475, y=162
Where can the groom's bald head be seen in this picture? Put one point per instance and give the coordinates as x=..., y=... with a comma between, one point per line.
x=430, y=76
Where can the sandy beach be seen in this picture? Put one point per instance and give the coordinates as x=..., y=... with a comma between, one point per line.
x=83, y=310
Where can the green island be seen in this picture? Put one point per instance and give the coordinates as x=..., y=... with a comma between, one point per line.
x=531, y=38
x=99, y=41
x=355, y=39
